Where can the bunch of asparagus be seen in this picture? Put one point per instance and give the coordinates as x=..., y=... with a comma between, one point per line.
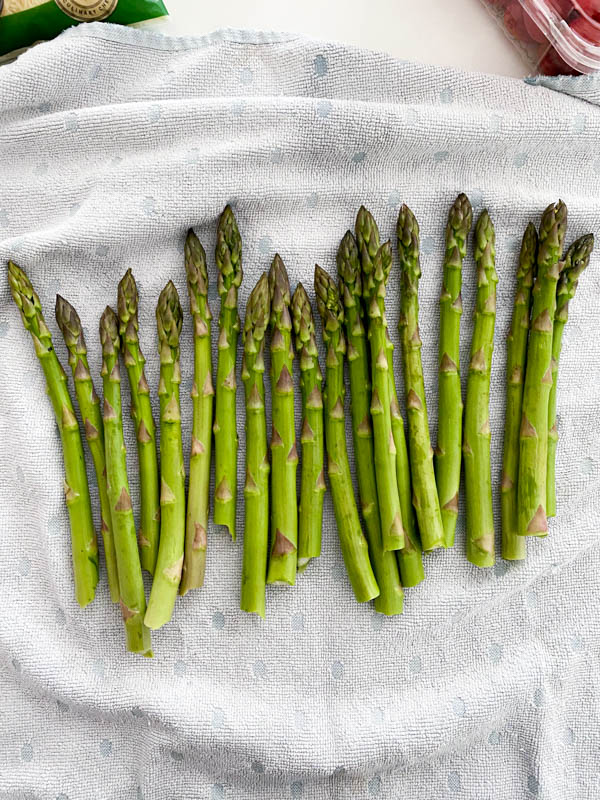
x=409, y=496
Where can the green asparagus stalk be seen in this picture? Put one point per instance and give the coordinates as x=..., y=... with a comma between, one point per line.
x=202, y=397
x=131, y=584
x=256, y=490
x=533, y=453
x=310, y=518
x=576, y=260
x=229, y=262
x=284, y=455
x=450, y=406
x=376, y=263
x=513, y=545
x=425, y=496
x=477, y=435
x=391, y=598
x=353, y=543
x=89, y=405
x=84, y=546
x=141, y=411
x=169, y=319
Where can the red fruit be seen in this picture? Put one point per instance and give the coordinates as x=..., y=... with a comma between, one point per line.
x=533, y=31
x=514, y=23
x=587, y=29
x=562, y=7
x=591, y=7
x=552, y=64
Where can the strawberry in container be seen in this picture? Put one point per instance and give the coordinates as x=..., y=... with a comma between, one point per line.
x=556, y=37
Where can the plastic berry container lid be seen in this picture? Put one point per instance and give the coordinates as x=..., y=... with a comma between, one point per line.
x=556, y=37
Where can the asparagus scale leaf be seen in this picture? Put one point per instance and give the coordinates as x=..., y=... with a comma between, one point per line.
x=84, y=546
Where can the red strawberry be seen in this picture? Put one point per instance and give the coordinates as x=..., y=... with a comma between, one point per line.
x=590, y=7
x=552, y=64
x=587, y=29
x=514, y=23
x=533, y=31
x=562, y=7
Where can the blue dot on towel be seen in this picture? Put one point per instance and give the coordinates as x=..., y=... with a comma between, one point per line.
x=101, y=250
x=59, y=616
x=446, y=95
x=265, y=245
x=246, y=76
x=359, y=156
x=149, y=206
x=259, y=669
x=154, y=113
x=71, y=122
x=296, y=788
x=538, y=697
x=324, y=108
x=257, y=767
x=277, y=156
x=105, y=748
x=337, y=670
x=427, y=245
x=568, y=736
x=179, y=668
x=218, y=792
x=579, y=123
x=98, y=667
x=218, y=718
x=176, y=755
x=458, y=706
x=440, y=156
x=495, y=652
x=494, y=738
x=24, y=566
x=218, y=620
x=312, y=199
x=377, y=621
x=297, y=622
x=321, y=66
x=533, y=784
x=500, y=568
x=27, y=752
x=394, y=199
x=532, y=600
x=374, y=785
x=3, y=329
x=520, y=160
x=454, y=781
x=415, y=664
x=66, y=797
x=299, y=720
x=237, y=107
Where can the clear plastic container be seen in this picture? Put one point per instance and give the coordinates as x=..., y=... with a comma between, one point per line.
x=557, y=37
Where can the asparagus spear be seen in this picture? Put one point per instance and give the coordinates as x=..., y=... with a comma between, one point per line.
x=533, y=452
x=425, y=496
x=376, y=264
x=450, y=406
x=131, y=584
x=477, y=435
x=284, y=511
x=391, y=598
x=202, y=396
x=353, y=543
x=84, y=546
x=89, y=405
x=169, y=319
x=141, y=411
x=310, y=517
x=576, y=260
x=513, y=545
x=256, y=490
x=229, y=262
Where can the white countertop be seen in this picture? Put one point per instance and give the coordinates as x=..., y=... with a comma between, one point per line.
x=459, y=33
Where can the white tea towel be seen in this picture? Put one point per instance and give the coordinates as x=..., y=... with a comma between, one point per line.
x=113, y=142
